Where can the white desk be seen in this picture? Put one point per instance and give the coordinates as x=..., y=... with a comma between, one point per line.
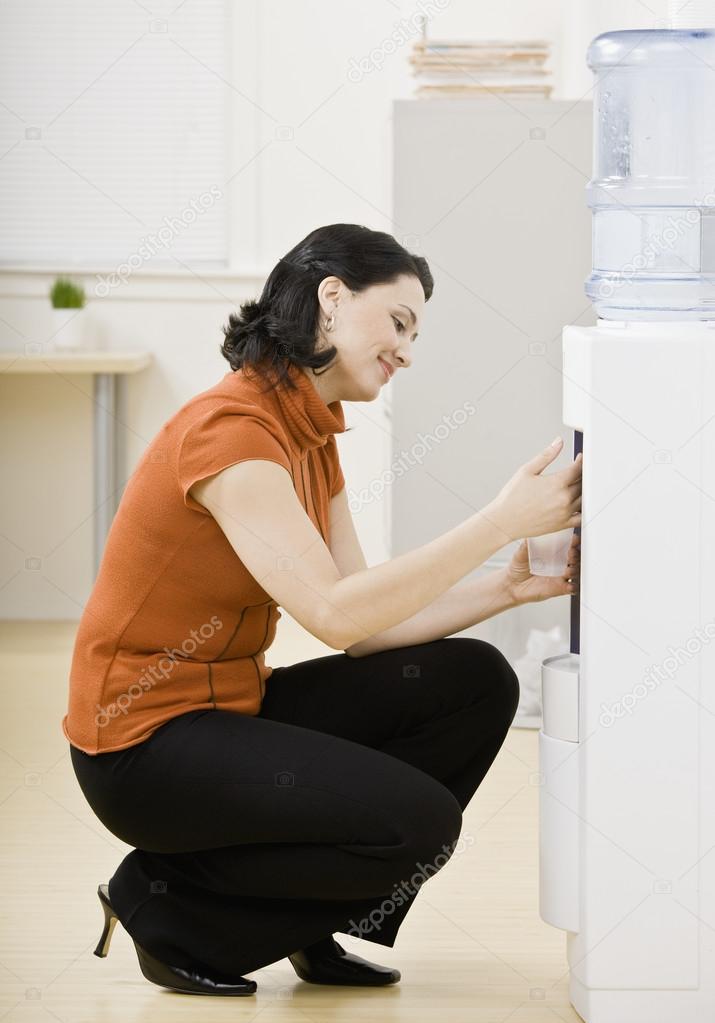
x=109, y=370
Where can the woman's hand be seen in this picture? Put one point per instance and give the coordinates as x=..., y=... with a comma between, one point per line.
x=526, y=588
x=534, y=504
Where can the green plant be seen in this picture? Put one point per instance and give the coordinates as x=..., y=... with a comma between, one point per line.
x=67, y=295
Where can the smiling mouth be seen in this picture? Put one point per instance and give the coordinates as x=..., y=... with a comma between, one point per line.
x=385, y=369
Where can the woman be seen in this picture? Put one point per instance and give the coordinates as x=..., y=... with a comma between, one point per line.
x=268, y=808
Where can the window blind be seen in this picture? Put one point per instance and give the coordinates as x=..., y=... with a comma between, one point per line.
x=113, y=133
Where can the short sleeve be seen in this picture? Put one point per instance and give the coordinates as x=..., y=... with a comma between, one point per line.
x=228, y=434
x=337, y=480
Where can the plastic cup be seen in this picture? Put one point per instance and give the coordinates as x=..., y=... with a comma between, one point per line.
x=549, y=554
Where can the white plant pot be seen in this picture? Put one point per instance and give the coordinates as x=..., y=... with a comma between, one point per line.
x=68, y=327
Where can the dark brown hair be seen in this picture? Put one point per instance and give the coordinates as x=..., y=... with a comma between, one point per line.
x=281, y=326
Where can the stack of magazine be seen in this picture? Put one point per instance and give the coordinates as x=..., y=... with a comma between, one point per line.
x=462, y=68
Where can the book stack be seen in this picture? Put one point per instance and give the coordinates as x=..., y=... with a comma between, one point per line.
x=452, y=68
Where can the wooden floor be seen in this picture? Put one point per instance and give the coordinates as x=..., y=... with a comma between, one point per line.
x=472, y=949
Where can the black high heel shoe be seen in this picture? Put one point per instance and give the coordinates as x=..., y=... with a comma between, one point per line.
x=173, y=977
x=326, y=962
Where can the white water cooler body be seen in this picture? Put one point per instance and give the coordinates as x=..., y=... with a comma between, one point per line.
x=627, y=746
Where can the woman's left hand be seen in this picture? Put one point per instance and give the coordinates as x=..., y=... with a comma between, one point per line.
x=526, y=588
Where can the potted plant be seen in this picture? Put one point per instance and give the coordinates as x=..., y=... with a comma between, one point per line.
x=68, y=310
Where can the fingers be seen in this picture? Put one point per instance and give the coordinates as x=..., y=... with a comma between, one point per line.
x=572, y=573
x=539, y=462
x=575, y=469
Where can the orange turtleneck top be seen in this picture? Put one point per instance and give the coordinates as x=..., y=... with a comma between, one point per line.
x=175, y=622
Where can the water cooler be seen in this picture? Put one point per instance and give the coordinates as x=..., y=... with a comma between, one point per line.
x=627, y=746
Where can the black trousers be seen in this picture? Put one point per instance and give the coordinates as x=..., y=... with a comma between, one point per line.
x=255, y=836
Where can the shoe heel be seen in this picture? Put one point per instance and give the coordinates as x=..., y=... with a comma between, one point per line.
x=172, y=977
x=110, y=921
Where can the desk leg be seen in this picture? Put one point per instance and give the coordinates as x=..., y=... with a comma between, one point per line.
x=105, y=460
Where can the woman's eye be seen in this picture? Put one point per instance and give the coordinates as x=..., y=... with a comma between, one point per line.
x=399, y=323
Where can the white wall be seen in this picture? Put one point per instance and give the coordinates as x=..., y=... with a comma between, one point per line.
x=310, y=145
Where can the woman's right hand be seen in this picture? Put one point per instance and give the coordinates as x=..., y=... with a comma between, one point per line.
x=531, y=504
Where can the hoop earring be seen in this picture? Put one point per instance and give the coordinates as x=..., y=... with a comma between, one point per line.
x=329, y=324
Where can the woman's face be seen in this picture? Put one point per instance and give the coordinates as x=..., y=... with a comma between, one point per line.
x=378, y=323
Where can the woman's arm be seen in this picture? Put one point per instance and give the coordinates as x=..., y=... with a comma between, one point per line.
x=255, y=504
x=461, y=606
